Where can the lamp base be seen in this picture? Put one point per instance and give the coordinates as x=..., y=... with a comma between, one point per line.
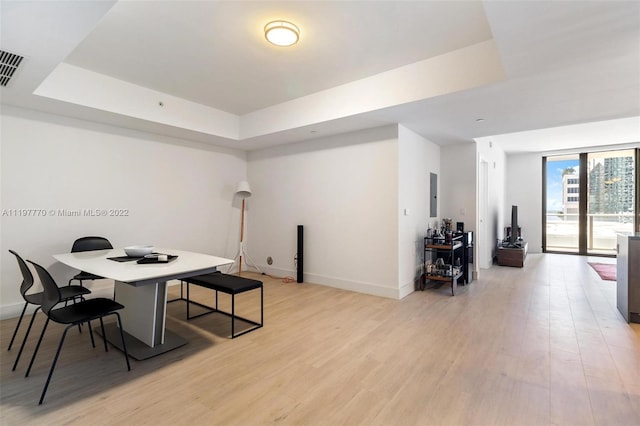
x=241, y=254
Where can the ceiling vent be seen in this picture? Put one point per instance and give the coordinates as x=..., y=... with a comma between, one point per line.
x=8, y=65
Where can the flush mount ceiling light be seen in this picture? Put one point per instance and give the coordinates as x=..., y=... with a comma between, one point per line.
x=281, y=33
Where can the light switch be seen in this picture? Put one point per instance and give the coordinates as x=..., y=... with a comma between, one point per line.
x=462, y=212
x=407, y=212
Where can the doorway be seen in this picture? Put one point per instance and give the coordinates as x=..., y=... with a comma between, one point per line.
x=485, y=244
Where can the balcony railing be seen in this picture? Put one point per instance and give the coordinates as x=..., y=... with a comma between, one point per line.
x=602, y=229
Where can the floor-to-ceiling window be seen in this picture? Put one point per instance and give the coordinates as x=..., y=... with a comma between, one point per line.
x=589, y=199
x=611, y=198
x=562, y=203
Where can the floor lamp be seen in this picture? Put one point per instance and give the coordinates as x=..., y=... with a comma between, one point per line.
x=243, y=190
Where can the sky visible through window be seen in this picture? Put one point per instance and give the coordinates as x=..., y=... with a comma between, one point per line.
x=554, y=182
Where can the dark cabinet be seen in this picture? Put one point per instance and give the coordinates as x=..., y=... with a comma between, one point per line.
x=443, y=262
x=457, y=260
x=467, y=256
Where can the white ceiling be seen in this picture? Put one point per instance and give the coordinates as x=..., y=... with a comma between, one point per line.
x=558, y=64
x=215, y=53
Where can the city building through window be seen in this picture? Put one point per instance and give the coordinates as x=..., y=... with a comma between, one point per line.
x=589, y=199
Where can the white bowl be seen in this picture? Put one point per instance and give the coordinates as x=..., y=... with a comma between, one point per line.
x=138, y=251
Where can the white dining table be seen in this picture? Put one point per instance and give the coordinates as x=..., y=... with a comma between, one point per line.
x=142, y=290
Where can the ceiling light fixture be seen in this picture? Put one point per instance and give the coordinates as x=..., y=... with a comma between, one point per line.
x=281, y=33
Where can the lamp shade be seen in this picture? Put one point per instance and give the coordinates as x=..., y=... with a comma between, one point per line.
x=243, y=189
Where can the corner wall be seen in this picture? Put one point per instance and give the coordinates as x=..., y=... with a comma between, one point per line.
x=459, y=184
x=343, y=190
x=496, y=160
x=458, y=194
x=417, y=158
x=524, y=189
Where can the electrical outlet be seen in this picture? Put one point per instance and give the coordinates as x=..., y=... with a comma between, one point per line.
x=269, y=260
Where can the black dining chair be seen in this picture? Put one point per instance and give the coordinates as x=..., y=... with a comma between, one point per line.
x=72, y=315
x=88, y=244
x=66, y=293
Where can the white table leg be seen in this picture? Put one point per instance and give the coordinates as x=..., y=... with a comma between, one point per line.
x=144, y=311
x=143, y=321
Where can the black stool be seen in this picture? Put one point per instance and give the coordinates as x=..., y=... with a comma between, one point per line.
x=229, y=284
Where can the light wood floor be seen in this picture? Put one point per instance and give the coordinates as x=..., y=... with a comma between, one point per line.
x=539, y=345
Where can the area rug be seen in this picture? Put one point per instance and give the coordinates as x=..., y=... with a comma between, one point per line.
x=607, y=271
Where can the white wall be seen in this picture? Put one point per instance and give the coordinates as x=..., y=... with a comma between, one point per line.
x=176, y=194
x=343, y=190
x=496, y=159
x=524, y=189
x=458, y=194
x=417, y=158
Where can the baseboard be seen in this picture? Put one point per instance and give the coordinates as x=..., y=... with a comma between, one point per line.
x=105, y=288
x=407, y=289
x=13, y=310
x=357, y=286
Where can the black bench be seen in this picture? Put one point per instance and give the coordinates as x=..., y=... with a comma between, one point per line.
x=229, y=284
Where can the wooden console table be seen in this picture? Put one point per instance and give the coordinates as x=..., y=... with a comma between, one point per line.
x=512, y=256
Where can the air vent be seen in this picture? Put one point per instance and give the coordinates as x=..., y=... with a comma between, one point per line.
x=8, y=65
